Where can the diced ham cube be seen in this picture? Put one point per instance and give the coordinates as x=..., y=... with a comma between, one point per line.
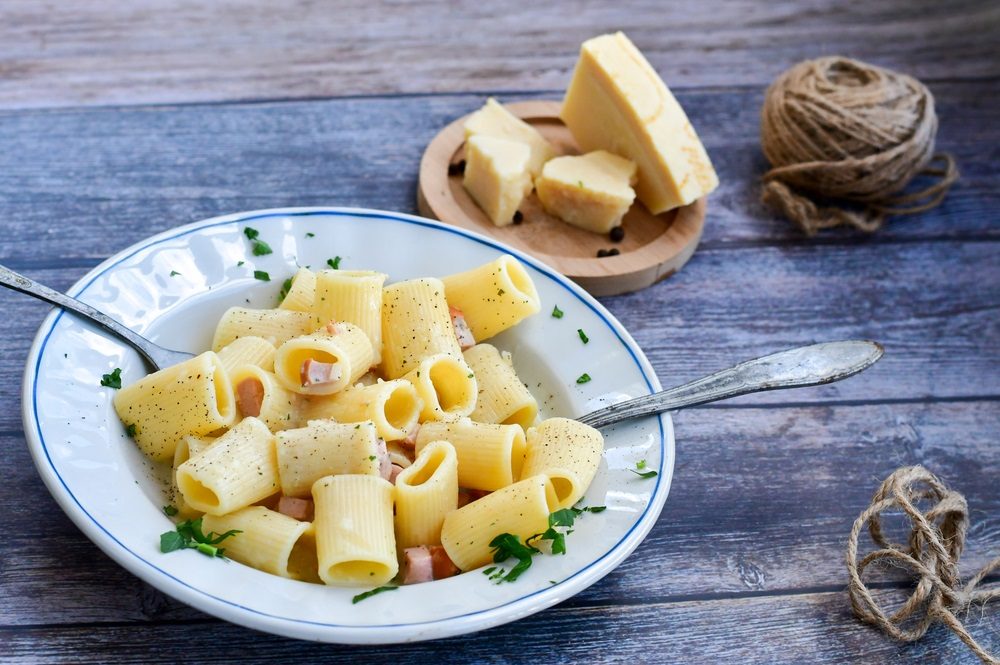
x=249, y=396
x=335, y=328
x=316, y=373
x=463, y=333
x=418, y=565
x=396, y=470
x=442, y=563
x=300, y=509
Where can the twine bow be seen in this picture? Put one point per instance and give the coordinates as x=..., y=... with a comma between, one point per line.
x=935, y=545
x=837, y=128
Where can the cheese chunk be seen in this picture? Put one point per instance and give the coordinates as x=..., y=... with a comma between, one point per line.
x=617, y=102
x=592, y=191
x=494, y=120
x=497, y=175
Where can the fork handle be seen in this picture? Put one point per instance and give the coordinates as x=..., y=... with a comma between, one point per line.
x=18, y=282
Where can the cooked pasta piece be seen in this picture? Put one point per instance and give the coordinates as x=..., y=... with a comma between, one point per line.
x=521, y=509
x=187, y=447
x=354, y=296
x=493, y=297
x=193, y=397
x=260, y=394
x=247, y=351
x=566, y=451
x=275, y=325
x=239, y=469
x=355, y=544
x=446, y=385
x=393, y=406
x=300, y=294
x=325, y=448
x=399, y=454
x=502, y=398
x=415, y=325
x=324, y=362
x=268, y=541
x=489, y=456
x=426, y=491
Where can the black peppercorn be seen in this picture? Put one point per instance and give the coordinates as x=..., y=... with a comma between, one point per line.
x=617, y=234
x=457, y=168
x=518, y=217
x=601, y=253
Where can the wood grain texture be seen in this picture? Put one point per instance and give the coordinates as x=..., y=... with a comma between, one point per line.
x=80, y=184
x=103, y=52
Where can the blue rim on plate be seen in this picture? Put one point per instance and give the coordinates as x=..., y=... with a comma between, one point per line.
x=281, y=625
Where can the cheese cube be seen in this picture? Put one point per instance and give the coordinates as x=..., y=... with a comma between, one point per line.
x=497, y=175
x=592, y=191
x=617, y=102
x=494, y=120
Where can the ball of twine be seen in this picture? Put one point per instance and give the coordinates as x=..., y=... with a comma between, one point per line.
x=935, y=544
x=837, y=128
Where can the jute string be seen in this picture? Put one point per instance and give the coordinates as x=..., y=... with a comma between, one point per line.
x=837, y=128
x=935, y=545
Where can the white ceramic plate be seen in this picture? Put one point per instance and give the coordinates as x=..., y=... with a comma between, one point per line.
x=115, y=495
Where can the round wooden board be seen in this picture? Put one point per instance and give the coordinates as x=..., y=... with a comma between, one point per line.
x=655, y=246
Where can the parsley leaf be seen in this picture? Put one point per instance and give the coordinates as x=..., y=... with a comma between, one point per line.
x=251, y=233
x=334, y=263
x=556, y=312
x=310, y=234
x=130, y=430
x=174, y=273
x=261, y=275
x=371, y=592
x=507, y=546
x=583, y=335
x=638, y=470
x=260, y=248
x=239, y=264
x=188, y=535
x=169, y=511
x=286, y=286
x=583, y=378
x=113, y=380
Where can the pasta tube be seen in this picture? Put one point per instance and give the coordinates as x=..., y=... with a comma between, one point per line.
x=275, y=325
x=247, y=351
x=260, y=394
x=489, y=456
x=493, y=297
x=268, y=541
x=426, y=491
x=502, y=398
x=446, y=385
x=325, y=448
x=566, y=451
x=521, y=509
x=187, y=447
x=324, y=362
x=415, y=324
x=192, y=397
x=240, y=468
x=354, y=296
x=393, y=406
x=300, y=294
x=355, y=544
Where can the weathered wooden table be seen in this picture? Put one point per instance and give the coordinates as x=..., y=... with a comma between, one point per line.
x=120, y=120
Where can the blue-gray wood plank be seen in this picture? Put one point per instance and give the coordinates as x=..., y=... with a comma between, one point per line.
x=746, y=561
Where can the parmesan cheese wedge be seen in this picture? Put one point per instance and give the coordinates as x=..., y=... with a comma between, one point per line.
x=494, y=120
x=497, y=176
x=617, y=102
x=591, y=191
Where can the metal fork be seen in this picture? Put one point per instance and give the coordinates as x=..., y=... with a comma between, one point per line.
x=155, y=355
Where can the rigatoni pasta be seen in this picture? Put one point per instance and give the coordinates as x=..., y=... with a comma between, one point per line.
x=393, y=406
x=415, y=325
x=275, y=325
x=354, y=296
x=426, y=491
x=248, y=350
x=193, y=397
x=325, y=361
x=502, y=397
x=489, y=456
x=446, y=386
x=301, y=291
x=566, y=451
x=325, y=448
x=493, y=297
x=355, y=543
x=268, y=541
x=260, y=394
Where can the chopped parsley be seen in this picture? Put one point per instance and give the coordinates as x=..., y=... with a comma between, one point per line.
x=471, y=376
x=113, y=380
x=251, y=233
x=334, y=263
x=507, y=546
x=556, y=312
x=130, y=430
x=174, y=273
x=310, y=234
x=188, y=535
x=583, y=335
x=583, y=378
x=169, y=511
x=239, y=264
x=286, y=286
x=640, y=471
x=371, y=458
x=260, y=248
x=261, y=275
x=371, y=592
